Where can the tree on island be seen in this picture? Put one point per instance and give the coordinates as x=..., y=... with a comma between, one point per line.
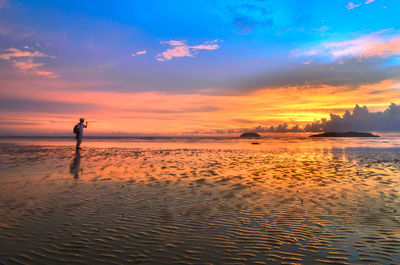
x=250, y=135
x=344, y=134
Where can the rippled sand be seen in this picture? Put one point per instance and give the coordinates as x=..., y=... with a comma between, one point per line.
x=199, y=206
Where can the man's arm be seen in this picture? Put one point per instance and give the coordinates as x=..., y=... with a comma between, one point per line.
x=85, y=125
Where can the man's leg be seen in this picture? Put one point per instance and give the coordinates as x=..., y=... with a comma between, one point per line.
x=78, y=140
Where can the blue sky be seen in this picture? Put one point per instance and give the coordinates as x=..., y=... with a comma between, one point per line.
x=203, y=47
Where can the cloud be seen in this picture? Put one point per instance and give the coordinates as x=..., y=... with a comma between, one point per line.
x=24, y=61
x=367, y=46
x=376, y=92
x=14, y=53
x=17, y=123
x=361, y=119
x=382, y=44
x=351, y=5
x=348, y=73
x=181, y=49
x=46, y=74
x=249, y=16
x=351, y=63
x=199, y=109
x=281, y=128
x=174, y=42
x=139, y=53
x=43, y=106
x=26, y=64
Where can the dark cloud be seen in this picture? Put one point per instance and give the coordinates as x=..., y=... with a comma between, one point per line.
x=247, y=17
x=361, y=119
x=284, y=128
x=350, y=72
x=265, y=15
x=44, y=106
x=281, y=128
x=375, y=92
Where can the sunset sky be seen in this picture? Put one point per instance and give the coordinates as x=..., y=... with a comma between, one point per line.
x=192, y=67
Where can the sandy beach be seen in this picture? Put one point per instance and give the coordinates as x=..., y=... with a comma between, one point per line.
x=208, y=132
x=278, y=202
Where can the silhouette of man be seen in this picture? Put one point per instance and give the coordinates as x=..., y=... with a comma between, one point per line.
x=78, y=130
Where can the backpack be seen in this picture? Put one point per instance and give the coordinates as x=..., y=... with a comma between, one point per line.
x=76, y=129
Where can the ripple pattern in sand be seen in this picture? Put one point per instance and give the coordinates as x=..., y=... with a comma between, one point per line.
x=198, y=206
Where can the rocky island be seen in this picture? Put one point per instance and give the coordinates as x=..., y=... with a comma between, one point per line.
x=250, y=135
x=344, y=134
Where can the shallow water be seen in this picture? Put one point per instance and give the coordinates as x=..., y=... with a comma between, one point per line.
x=282, y=201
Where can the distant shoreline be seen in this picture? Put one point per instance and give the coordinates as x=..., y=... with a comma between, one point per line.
x=155, y=137
x=345, y=134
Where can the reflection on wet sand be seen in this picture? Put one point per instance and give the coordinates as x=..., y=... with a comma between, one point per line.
x=197, y=206
x=75, y=167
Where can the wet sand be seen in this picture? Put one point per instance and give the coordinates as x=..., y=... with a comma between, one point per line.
x=255, y=205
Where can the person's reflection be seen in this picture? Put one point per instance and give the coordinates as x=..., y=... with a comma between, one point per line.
x=75, y=167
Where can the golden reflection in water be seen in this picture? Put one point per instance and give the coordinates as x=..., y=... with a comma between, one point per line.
x=272, y=204
x=75, y=167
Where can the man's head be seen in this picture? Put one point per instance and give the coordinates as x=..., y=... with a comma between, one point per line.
x=82, y=119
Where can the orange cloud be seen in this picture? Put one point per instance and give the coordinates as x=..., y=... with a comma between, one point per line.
x=139, y=53
x=24, y=60
x=16, y=53
x=374, y=44
x=385, y=49
x=27, y=64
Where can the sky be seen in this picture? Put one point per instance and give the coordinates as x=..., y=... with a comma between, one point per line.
x=193, y=67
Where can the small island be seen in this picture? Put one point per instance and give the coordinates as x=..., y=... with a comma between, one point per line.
x=250, y=135
x=344, y=134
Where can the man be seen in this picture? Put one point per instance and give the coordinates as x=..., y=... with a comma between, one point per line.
x=78, y=130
